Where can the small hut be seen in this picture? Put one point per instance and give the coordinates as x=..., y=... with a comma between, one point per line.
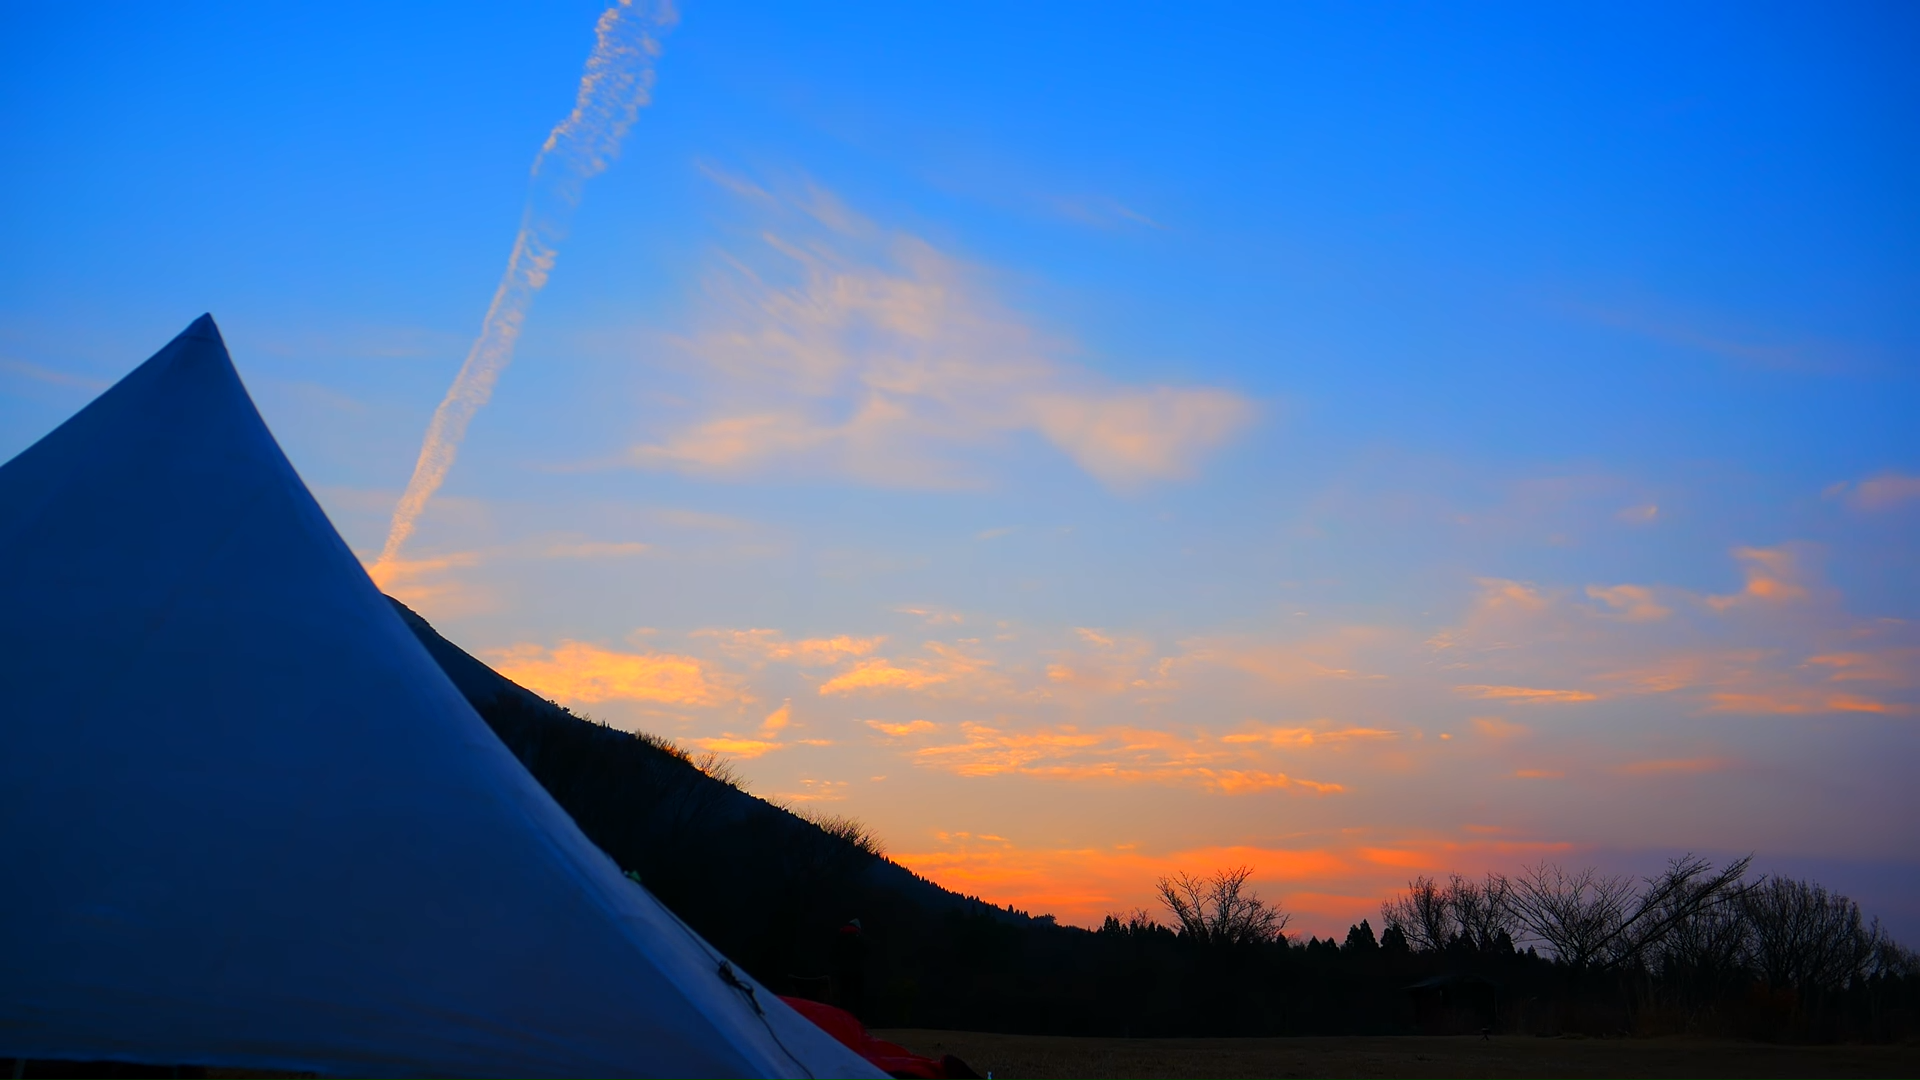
x=1456, y=1004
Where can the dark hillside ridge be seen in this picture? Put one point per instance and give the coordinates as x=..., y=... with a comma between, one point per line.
x=765, y=885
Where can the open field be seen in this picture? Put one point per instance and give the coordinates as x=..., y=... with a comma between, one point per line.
x=1015, y=1057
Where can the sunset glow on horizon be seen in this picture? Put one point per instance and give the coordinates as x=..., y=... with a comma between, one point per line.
x=1089, y=444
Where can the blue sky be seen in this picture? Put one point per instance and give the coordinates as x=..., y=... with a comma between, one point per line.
x=1087, y=441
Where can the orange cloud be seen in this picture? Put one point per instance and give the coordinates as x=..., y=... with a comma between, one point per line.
x=947, y=665
x=740, y=748
x=1894, y=666
x=1525, y=694
x=838, y=346
x=1674, y=672
x=1402, y=858
x=989, y=750
x=1495, y=727
x=1538, y=774
x=1127, y=436
x=814, y=791
x=1284, y=665
x=1120, y=755
x=1885, y=491
x=1632, y=603
x=1795, y=700
x=1502, y=609
x=1498, y=594
x=1772, y=577
x=771, y=645
x=1755, y=681
x=586, y=674
x=423, y=584
x=1110, y=665
x=911, y=727
x=400, y=570
x=1299, y=738
x=882, y=675
x=1241, y=781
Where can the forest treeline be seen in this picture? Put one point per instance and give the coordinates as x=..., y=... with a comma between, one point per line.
x=1698, y=948
x=1695, y=949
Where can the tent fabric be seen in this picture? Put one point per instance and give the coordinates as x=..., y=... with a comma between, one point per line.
x=246, y=821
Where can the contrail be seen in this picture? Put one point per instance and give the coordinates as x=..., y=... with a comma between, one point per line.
x=616, y=85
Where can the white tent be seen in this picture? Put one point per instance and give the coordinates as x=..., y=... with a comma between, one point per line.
x=245, y=821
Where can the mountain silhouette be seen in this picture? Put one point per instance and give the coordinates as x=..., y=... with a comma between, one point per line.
x=769, y=887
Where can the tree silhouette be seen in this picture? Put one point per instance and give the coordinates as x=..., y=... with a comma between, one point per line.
x=1212, y=911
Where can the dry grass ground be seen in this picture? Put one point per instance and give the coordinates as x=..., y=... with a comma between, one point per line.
x=1014, y=1057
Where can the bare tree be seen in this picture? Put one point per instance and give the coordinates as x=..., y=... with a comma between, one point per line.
x=1688, y=891
x=1422, y=914
x=1893, y=960
x=1706, y=950
x=1807, y=939
x=1483, y=911
x=1212, y=910
x=1433, y=916
x=1577, y=915
x=1593, y=920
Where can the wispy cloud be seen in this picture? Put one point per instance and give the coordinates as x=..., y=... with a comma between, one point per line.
x=837, y=347
x=1495, y=727
x=1634, y=603
x=617, y=83
x=1774, y=575
x=578, y=672
x=814, y=790
x=1525, y=695
x=1882, y=492
x=1300, y=738
x=1893, y=666
x=944, y=668
x=1102, y=212
x=897, y=731
x=432, y=584
x=762, y=646
x=769, y=737
x=932, y=616
x=1122, y=755
x=738, y=747
x=597, y=549
x=1787, y=699
x=1743, y=345
x=51, y=376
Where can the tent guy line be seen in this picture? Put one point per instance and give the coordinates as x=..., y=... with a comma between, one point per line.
x=616, y=85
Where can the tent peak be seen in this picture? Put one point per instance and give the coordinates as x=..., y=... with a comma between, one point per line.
x=203, y=328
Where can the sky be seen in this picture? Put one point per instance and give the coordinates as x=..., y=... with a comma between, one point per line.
x=1083, y=442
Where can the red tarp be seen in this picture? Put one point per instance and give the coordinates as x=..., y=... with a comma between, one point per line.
x=887, y=1057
